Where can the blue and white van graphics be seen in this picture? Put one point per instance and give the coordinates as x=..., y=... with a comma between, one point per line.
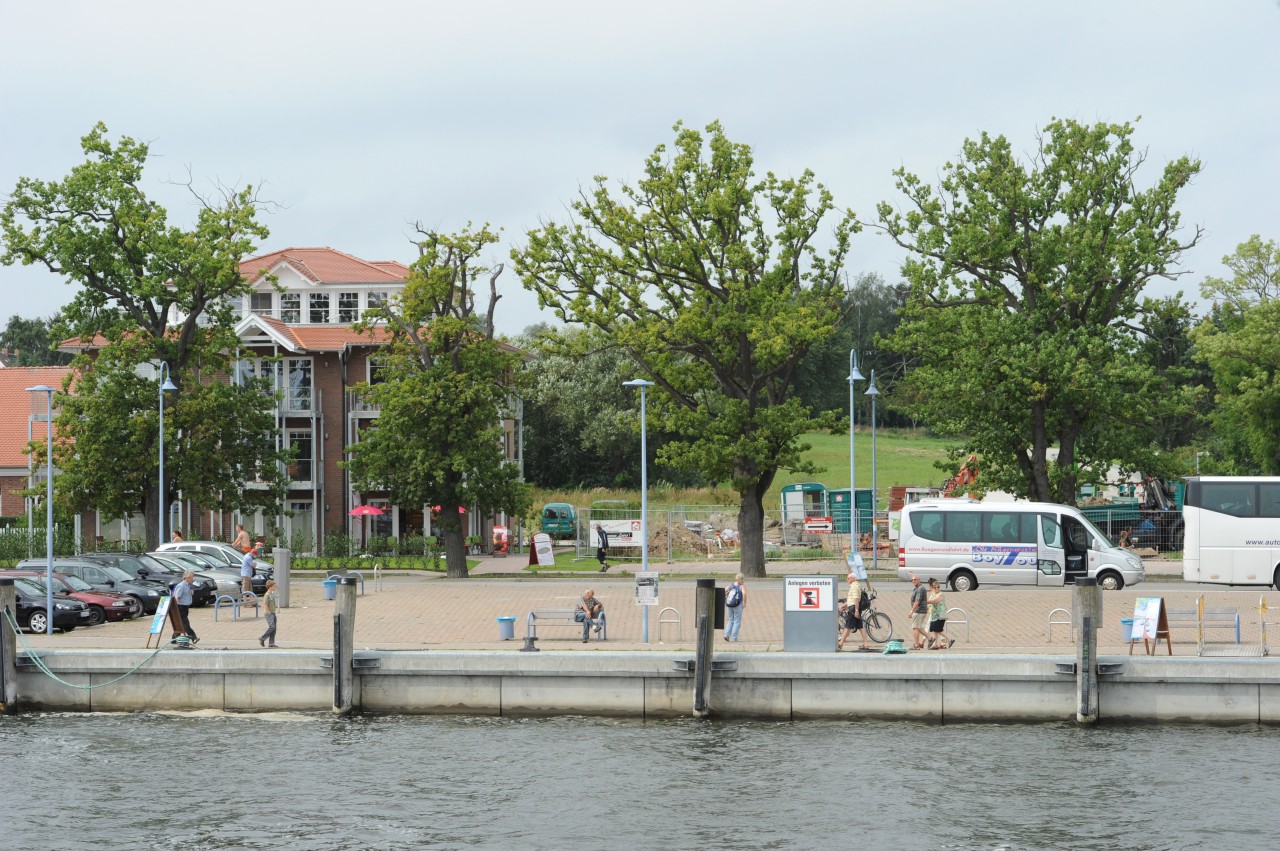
x=965, y=543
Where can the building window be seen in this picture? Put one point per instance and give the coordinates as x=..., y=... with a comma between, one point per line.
x=319, y=312
x=348, y=307
x=377, y=370
x=291, y=307
x=377, y=299
x=260, y=303
x=298, y=393
x=301, y=465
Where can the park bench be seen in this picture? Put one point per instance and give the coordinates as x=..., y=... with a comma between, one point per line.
x=559, y=617
x=1184, y=618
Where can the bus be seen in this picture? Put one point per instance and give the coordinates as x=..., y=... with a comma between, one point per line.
x=965, y=543
x=1232, y=530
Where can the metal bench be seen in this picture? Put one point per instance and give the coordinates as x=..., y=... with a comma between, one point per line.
x=246, y=598
x=559, y=617
x=1184, y=618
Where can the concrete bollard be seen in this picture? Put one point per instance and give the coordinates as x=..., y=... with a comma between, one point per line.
x=1087, y=614
x=344, y=639
x=8, y=648
x=283, y=559
x=704, y=602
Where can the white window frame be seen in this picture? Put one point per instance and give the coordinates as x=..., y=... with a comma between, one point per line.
x=313, y=299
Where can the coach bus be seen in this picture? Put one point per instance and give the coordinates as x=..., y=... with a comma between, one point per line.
x=1232, y=530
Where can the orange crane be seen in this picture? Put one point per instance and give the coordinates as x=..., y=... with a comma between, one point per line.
x=967, y=474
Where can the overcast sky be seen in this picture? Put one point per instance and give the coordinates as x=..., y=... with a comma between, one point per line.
x=360, y=119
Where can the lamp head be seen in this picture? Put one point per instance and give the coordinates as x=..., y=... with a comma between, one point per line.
x=637, y=382
x=168, y=385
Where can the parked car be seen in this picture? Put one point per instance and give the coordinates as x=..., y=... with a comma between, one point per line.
x=217, y=549
x=106, y=577
x=32, y=602
x=226, y=580
x=103, y=605
x=148, y=569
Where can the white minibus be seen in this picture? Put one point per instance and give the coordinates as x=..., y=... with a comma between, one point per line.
x=967, y=543
x=1232, y=530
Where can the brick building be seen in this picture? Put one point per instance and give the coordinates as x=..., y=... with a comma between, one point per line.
x=303, y=318
x=23, y=417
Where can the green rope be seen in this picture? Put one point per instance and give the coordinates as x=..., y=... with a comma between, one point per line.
x=35, y=657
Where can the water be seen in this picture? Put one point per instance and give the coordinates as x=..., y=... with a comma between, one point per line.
x=216, y=781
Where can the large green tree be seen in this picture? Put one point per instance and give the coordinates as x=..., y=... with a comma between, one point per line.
x=444, y=385
x=150, y=292
x=1024, y=310
x=713, y=280
x=1238, y=342
x=30, y=342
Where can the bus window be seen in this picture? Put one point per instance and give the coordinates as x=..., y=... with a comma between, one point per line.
x=1234, y=498
x=1269, y=500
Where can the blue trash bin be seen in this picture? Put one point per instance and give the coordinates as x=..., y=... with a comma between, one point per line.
x=1126, y=626
x=507, y=627
x=331, y=589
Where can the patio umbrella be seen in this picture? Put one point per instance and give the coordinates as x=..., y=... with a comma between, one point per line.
x=365, y=511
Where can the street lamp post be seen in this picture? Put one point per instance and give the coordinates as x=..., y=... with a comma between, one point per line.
x=644, y=498
x=854, y=375
x=875, y=495
x=48, y=500
x=165, y=384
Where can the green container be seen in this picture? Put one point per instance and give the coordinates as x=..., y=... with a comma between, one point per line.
x=838, y=510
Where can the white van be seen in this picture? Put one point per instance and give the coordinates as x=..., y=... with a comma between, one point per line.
x=965, y=543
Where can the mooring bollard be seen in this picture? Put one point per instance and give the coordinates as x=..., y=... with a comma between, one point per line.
x=8, y=648
x=1087, y=614
x=344, y=639
x=704, y=601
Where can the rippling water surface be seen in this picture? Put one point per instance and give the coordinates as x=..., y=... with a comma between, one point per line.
x=216, y=781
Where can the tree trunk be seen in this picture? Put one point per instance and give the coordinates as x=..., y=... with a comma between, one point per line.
x=151, y=517
x=751, y=531
x=455, y=549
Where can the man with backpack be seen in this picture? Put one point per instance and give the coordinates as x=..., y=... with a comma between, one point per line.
x=735, y=598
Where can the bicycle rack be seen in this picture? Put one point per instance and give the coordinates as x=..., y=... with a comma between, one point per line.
x=1067, y=623
x=344, y=573
x=662, y=619
x=377, y=577
x=965, y=620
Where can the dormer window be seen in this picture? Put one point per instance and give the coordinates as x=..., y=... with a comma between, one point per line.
x=260, y=303
x=319, y=308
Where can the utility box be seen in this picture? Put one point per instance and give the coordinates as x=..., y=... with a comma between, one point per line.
x=809, y=613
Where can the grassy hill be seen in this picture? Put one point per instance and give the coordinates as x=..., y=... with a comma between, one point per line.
x=903, y=457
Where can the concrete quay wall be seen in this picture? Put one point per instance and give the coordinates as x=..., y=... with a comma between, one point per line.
x=920, y=687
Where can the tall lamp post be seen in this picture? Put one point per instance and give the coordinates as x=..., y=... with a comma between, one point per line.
x=165, y=384
x=644, y=498
x=854, y=375
x=875, y=495
x=48, y=500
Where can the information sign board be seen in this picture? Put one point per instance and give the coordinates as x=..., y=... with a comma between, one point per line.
x=647, y=588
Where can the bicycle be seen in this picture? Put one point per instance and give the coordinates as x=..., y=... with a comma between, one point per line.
x=878, y=625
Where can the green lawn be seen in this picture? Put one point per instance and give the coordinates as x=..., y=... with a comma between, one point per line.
x=903, y=457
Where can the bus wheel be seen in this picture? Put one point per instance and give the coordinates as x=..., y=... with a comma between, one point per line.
x=1111, y=581
x=963, y=580
x=1275, y=579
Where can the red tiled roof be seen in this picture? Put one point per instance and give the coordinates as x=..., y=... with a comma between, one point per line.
x=15, y=407
x=331, y=338
x=326, y=266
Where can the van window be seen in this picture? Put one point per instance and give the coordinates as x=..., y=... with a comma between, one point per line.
x=963, y=526
x=927, y=524
x=1007, y=527
x=1051, y=530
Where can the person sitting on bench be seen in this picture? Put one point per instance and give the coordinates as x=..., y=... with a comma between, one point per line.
x=590, y=612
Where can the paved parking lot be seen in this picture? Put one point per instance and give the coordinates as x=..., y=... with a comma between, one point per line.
x=415, y=611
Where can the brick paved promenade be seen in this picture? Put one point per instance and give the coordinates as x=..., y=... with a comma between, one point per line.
x=415, y=611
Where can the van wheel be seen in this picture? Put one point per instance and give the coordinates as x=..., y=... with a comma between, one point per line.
x=963, y=580
x=1111, y=581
